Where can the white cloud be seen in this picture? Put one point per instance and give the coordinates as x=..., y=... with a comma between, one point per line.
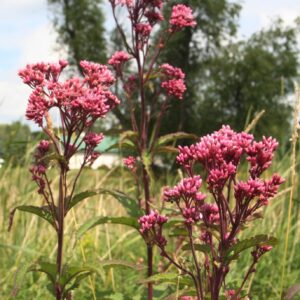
x=35, y=46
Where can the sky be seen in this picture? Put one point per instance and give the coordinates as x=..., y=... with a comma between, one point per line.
x=27, y=36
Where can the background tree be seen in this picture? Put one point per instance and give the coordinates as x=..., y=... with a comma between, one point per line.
x=247, y=77
x=228, y=80
x=80, y=25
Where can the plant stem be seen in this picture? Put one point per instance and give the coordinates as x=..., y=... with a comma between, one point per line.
x=199, y=281
x=146, y=184
x=60, y=232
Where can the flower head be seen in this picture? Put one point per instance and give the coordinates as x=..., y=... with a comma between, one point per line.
x=181, y=17
x=130, y=162
x=174, y=87
x=119, y=58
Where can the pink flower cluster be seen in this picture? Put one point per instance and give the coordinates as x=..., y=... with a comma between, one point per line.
x=81, y=101
x=38, y=74
x=181, y=17
x=262, y=189
x=187, y=190
x=38, y=169
x=174, y=80
x=151, y=228
x=118, y=58
x=220, y=154
x=92, y=139
x=130, y=162
x=143, y=29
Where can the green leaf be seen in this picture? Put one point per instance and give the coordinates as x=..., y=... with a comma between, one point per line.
x=43, y=212
x=168, y=278
x=49, y=269
x=179, y=231
x=258, y=240
x=130, y=204
x=147, y=162
x=120, y=263
x=129, y=135
x=80, y=197
x=128, y=221
x=198, y=247
x=173, y=137
x=166, y=149
x=74, y=273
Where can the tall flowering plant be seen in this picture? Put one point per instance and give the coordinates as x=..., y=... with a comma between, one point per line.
x=79, y=103
x=153, y=86
x=214, y=218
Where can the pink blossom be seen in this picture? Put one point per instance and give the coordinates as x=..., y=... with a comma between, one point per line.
x=96, y=74
x=187, y=188
x=210, y=213
x=172, y=72
x=270, y=188
x=37, y=106
x=181, y=17
x=118, y=59
x=174, y=87
x=248, y=190
x=151, y=228
x=93, y=139
x=191, y=215
x=43, y=146
x=266, y=248
x=130, y=162
x=144, y=29
x=38, y=74
x=260, y=155
x=80, y=101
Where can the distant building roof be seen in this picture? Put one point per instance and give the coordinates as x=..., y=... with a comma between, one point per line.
x=105, y=145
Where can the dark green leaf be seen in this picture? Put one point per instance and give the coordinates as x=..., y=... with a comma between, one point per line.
x=173, y=137
x=178, y=232
x=120, y=263
x=80, y=197
x=240, y=246
x=130, y=204
x=128, y=221
x=198, y=247
x=168, y=278
x=43, y=212
x=166, y=149
x=45, y=267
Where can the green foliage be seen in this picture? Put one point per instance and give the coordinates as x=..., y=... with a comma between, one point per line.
x=79, y=24
x=247, y=77
x=70, y=278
